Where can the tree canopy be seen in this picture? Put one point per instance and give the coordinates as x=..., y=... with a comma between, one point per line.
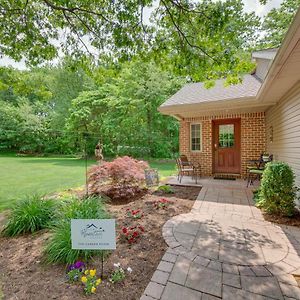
x=186, y=35
x=277, y=22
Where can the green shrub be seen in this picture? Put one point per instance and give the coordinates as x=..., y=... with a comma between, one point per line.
x=59, y=247
x=122, y=179
x=29, y=215
x=256, y=195
x=277, y=192
x=165, y=189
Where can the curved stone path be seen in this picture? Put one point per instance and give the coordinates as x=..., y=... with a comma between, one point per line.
x=223, y=249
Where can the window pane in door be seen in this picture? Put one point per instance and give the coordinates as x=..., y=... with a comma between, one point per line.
x=226, y=136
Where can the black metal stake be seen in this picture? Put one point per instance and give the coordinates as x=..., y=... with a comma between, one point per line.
x=86, y=172
x=102, y=256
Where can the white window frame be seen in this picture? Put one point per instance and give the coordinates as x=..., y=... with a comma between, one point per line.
x=201, y=140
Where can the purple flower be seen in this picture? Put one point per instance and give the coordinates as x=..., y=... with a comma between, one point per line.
x=79, y=265
x=71, y=267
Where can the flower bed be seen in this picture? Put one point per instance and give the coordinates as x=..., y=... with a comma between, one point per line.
x=26, y=277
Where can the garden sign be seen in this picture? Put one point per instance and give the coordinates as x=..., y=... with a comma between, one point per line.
x=93, y=234
x=151, y=176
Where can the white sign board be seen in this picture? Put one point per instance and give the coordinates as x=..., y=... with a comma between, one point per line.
x=94, y=234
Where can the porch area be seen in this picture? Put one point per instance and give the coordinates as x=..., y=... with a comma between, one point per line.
x=207, y=181
x=223, y=144
x=224, y=249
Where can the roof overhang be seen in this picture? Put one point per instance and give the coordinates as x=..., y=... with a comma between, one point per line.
x=230, y=106
x=284, y=73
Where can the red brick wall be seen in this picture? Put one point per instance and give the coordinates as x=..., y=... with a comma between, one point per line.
x=253, y=137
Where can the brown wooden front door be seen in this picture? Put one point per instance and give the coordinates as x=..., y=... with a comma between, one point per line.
x=227, y=146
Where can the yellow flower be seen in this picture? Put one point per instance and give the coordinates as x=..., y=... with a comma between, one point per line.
x=93, y=290
x=83, y=279
x=86, y=272
x=98, y=281
x=93, y=272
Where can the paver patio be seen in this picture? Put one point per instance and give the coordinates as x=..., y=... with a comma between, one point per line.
x=223, y=249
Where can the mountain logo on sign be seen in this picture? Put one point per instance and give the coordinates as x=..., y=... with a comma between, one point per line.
x=92, y=231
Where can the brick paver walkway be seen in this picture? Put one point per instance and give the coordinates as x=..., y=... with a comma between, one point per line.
x=223, y=249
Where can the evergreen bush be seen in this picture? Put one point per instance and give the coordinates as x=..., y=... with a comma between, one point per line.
x=277, y=193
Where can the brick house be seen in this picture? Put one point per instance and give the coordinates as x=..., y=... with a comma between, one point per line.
x=224, y=127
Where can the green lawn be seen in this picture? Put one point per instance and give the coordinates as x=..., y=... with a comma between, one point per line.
x=27, y=175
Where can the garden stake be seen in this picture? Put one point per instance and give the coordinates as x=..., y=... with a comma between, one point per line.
x=86, y=172
x=102, y=259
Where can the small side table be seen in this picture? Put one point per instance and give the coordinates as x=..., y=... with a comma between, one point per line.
x=197, y=171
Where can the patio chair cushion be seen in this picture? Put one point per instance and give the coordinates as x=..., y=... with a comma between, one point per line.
x=251, y=167
x=256, y=171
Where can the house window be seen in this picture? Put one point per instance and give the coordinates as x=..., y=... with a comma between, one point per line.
x=196, y=137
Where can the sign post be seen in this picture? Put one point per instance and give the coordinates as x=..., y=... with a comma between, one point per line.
x=93, y=234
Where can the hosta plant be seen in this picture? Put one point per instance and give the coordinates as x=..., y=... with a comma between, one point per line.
x=167, y=189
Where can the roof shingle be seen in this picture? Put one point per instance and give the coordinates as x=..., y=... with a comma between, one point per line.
x=193, y=93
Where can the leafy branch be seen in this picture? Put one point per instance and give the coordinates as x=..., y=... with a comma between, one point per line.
x=184, y=36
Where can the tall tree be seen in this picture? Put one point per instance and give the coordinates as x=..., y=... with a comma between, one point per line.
x=277, y=22
x=123, y=112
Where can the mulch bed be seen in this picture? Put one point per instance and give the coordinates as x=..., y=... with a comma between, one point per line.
x=291, y=221
x=24, y=276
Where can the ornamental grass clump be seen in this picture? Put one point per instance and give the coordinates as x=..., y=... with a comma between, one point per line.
x=120, y=180
x=30, y=215
x=59, y=246
x=277, y=193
